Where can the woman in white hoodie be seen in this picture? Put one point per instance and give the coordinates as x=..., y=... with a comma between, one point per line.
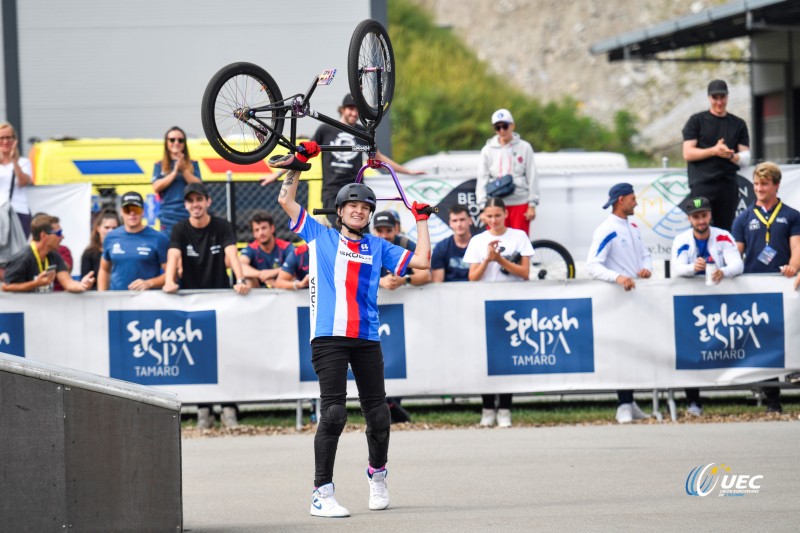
x=507, y=170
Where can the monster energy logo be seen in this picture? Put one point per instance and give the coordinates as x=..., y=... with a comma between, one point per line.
x=697, y=202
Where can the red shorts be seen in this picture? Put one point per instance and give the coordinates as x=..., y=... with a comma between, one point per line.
x=516, y=217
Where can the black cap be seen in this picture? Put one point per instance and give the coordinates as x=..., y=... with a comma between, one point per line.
x=132, y=198
x=198, y=188
x=383, y=219
x=696, y=205
x=717, y=87
x=348, y=101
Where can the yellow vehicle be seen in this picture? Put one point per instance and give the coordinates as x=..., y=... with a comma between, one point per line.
x=115, y=166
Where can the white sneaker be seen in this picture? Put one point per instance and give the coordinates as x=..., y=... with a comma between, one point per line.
x=625, y=413
x=325, y=505
x=694, y=409
x=504, y=418
x=637, y=412
x=378, y=491
x=229, y=418
x=205, y=418
x=488, y=418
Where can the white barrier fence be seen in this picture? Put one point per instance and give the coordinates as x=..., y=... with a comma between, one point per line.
x=457, y=338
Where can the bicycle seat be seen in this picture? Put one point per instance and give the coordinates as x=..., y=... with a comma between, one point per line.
x=289, y=162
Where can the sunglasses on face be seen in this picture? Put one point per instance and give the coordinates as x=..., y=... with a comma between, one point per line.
x=179, y=140
x=132, y=209
x=4, y=139
x=57, y=233
x=500, y=126
x=719, y=96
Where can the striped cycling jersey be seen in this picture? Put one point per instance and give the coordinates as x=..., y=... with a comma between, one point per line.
x=343, y=279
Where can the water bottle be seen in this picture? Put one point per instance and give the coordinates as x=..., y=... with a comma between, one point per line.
x=711, y=268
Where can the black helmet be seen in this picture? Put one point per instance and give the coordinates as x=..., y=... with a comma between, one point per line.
x=356, y=192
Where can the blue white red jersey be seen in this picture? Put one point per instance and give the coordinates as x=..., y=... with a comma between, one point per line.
x=344, y=275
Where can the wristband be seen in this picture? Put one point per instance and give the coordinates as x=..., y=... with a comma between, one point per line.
x=239, y=282
x=294, y=284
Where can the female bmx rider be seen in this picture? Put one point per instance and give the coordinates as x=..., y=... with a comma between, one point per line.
x=344, y=273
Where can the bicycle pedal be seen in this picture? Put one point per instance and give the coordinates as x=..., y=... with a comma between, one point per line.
x=288, y=161
x=326, y=77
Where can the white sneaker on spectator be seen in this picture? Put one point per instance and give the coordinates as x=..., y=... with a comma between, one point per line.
x=378, y=491
x=488, y=418
x=625, y=413
x=324, y=504
x=205, y=418
x=504, y=418
x=637, y=412
x=229, y=418
x=694, y=409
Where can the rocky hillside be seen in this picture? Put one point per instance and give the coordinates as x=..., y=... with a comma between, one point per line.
x=542, y=47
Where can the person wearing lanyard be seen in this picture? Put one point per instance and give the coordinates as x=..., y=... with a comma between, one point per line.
x=703, y=250
x=507, y=157
x=35, y=267
x=768, y=234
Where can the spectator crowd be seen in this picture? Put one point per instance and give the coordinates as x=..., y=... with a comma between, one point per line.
x=195, y=250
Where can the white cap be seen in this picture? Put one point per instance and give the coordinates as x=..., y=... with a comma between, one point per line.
x=502, y=115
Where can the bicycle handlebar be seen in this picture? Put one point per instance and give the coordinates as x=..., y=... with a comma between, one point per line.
x=319, y=211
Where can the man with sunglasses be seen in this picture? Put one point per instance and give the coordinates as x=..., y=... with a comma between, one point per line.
x=134, y=255
x=35, y=267
x=715, y=145
x=508, y=159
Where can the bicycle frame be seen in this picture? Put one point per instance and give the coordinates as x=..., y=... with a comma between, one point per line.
x=299, y=107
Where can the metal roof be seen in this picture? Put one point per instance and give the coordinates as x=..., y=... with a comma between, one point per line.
x=729, y=21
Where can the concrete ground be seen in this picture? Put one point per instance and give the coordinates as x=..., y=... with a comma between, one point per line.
x=570, y=478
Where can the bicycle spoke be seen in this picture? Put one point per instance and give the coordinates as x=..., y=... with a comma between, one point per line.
x=237, y=95
x=547, y=264
x=371, y=57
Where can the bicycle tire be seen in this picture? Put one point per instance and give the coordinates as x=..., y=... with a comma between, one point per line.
x=551, y=261
x=370, y=47
x=230, y=94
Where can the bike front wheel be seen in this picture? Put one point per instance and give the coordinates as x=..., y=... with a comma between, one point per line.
x=371, y=70
x=241, y=113
x=551, y=261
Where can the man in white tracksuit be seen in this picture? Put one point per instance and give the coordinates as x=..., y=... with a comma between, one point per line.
x=703, y=250
x=506, y=154
x=618, y=255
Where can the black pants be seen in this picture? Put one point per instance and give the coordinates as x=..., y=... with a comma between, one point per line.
x=330, y=357
x=624, y=396
x=693, y=396
x=724, y=198
x=503, y=402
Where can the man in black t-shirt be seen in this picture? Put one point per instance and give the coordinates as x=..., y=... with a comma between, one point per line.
x=204, y=246
x=341, y=168
x=715, y=145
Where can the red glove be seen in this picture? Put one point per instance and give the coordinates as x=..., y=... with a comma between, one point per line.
x=421, y=211
x=307, y=150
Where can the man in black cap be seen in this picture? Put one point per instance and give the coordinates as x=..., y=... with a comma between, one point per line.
x=703, y=250
x=133, y=255
x=340, y=168
x=386, y=227
x=618, y=255
x=203, y=245
x=715, y=145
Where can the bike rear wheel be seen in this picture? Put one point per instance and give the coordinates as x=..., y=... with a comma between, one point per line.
x=237, y=111
x=370, y=57
x=551, y=261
